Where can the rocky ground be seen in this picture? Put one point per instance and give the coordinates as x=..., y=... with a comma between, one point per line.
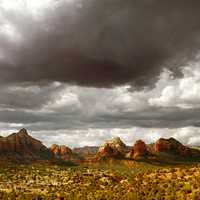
x=100, y=182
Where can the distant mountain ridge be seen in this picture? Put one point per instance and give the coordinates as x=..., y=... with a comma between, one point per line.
x=20, y=147
x=163, y=150
x=86, y=150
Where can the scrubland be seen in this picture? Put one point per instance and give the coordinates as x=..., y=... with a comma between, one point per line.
x=138, y=181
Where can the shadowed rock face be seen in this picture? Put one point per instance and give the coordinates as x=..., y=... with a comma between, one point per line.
x=62, y=151
x=22, y=147
x=113, y=148
x=171, y=146
x=139, y=150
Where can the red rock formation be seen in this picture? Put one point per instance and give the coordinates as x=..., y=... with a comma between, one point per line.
x=174, y=147
x=62, y=151
x=171, y=146
x=21, y=146
x=108, y=151
x=113, y=148
x=139, y=150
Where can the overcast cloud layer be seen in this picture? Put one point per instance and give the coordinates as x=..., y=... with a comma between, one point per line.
x=92, y=69
x=96, y=43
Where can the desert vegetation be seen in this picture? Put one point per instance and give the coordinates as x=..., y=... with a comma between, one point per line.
x=137, y=182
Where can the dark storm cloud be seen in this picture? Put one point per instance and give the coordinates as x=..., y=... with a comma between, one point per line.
x=24, y=96
x=159, y=118
x=171, y=118
x=101, y=43
x=46, y=52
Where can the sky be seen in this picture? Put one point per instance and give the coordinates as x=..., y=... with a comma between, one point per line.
x=78, y=72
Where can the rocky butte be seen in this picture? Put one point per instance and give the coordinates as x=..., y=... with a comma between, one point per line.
x=61, y=151
x=64, y=153
x=138, y=151
x=163, y=150
x=113, y=148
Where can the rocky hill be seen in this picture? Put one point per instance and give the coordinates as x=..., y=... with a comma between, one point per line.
x=113, y=148
x=64, y=153
x=163, y=150
x=21, y=147
x=174, y=148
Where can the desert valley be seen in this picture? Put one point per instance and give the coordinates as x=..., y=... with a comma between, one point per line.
x=166, y=169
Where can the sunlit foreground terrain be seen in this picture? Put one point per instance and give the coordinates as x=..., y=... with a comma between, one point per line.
x=142, y=181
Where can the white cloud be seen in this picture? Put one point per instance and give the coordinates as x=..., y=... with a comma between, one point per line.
x=96, y=137
x=16, y=125
x=182, y=93
x=12, y=5
x=27, y=5
x=10, y=32
x=64, y=100
x=188, y=135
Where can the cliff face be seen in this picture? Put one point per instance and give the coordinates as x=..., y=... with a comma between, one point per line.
x=21, y=146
